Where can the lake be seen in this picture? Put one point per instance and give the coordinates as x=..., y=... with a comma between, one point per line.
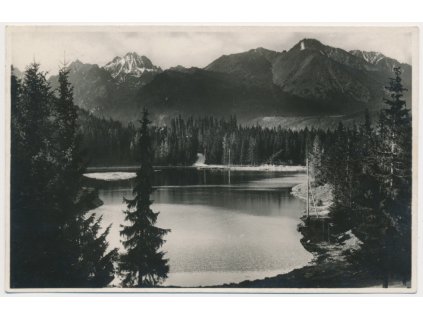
x=224, y=228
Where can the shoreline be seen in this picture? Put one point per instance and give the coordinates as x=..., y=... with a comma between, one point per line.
x=119, y=173
x=266, y=167
x=329, y=267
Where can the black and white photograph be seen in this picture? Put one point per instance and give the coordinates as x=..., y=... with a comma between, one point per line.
x=206, y=158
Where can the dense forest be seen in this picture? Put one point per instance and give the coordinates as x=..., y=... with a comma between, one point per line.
x=55, y=240
x=369, y=169
x=108, y=142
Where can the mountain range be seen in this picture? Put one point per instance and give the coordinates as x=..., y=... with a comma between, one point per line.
x=310, y=79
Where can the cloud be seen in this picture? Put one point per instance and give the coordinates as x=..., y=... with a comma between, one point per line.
x=188, y=46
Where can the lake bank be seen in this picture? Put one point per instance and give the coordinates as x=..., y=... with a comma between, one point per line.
x=281, y=168
x=329, y=267
x=129, y=169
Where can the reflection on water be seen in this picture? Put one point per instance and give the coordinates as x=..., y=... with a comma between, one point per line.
x=220, y=233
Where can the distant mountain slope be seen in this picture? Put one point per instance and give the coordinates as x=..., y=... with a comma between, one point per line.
x=385, y=64
x=317, y=72
x=93, y=86
x=317, y=121
x=202, y=92
x=253, y=67
x=309, y=79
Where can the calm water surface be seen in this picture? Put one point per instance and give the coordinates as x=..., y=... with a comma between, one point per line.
x=223, y=228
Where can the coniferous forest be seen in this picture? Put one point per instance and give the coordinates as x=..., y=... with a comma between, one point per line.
x=369, y=170
x=180, y=141
x=57, y=242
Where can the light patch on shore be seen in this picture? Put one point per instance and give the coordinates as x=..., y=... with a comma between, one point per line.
x=111, y=176
x=253, y=168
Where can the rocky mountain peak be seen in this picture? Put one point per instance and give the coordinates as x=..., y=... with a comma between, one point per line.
x=131, y=64
x=308, y=44
x=370, y=56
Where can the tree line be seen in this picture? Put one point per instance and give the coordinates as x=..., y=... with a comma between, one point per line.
x=369, y=169
x=109, y=142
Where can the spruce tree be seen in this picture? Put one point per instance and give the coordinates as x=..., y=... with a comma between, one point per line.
x=384, y=199
x=367, y=143
x=69, y=160
x=34, y=222
x=252, y=151
x=17, y=214
x=316, y=155
x=85, y=261
x=53, y=243
x=337, y=175
x=394, y=151
x=143, y=264
x=225, y=150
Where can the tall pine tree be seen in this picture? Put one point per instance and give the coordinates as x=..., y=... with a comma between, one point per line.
x=34, y=224
x=53, y=242
x=395, y=175
x=85, y=261
x=143, y=264
x=315, y=158
x=383, y=201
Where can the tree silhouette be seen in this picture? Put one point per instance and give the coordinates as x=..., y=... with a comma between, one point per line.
x=394, y=149
x=53, y=242
x=34, y=225
x=143, y=264
x=85, y=261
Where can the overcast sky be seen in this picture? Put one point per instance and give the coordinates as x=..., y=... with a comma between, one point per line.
x=188, y=46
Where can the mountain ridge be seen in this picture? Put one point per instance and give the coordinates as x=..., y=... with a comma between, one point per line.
x=310, y=78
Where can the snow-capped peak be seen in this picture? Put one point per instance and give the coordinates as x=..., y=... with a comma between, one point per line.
x=130, y=64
